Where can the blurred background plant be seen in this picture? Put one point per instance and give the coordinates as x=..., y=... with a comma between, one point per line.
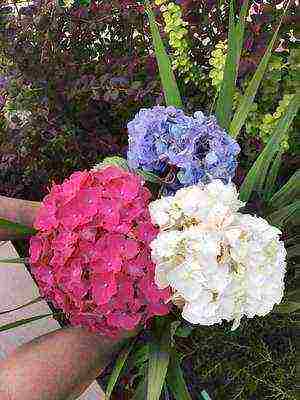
x=70, y=79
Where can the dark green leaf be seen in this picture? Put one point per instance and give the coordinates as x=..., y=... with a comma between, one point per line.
x=293, y=251
x=288, y=193
x=287, y=308
x=25, y=321
x=287, y=215
x=225, y=99
x=37, y=300
x=19, y=229
x=272, y=176
x=176, y=382
x=140, y=393
x=148, y=176
x=119, y=365
x=159, y=357
x=256, y=176
x=244, y=108
x=171, y=91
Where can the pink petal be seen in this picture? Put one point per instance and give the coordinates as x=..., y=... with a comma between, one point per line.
x=103, y=288
x=123, y=320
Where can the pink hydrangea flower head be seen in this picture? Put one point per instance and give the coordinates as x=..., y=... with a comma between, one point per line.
x=91, y=256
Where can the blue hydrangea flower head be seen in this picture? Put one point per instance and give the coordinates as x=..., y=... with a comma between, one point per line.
x=181, y=149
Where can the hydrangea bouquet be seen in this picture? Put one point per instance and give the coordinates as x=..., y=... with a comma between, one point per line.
x=165, y=235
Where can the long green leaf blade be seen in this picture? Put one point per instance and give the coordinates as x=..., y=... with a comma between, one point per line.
x=240, y=29
x=288, y=193
x=17, y=228
x=272, y=176
x=256, y=176
x=176, y=382
x=287, y=308
x=225, y=98
x=36, y=300
x=159, y=357
x=25, y=321
x=171, y=91
x=245, y=106
x=12, y=261
x=119, y=365
x=288, y=214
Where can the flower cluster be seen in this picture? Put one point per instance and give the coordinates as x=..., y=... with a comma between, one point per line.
x=175, y=27
x=220, y=264
x=270, y=121
x=181, y=149
x=91, y=256
x=217, y=61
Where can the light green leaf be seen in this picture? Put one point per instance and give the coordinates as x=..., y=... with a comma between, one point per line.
x=115, y=160
x=36, y=300
x=256, y=176
x=205, y=395
x=148, y=176
x=25, y=321
x=287, y=215
x=159, y=357
x=244, y=108
x=13, y=260
x=176, y=382
x=287, y=308
x=119, y=365
x=288, y=193
x=19, y=229
x=171, y=91
x=225, y=98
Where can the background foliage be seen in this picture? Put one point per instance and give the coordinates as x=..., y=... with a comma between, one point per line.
x=71, y=78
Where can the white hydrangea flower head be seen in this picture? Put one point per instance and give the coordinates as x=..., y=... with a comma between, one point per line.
x=222, y=266
x=209, y=206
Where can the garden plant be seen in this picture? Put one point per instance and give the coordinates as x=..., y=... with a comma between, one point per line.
x=158, y=143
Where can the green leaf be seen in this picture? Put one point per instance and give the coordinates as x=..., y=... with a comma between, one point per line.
x=36, y=300
x=272, y=176
x=140, y=393
x=115, y=160
x=287, y=308
x=13, y=260
x=293, y=251
x=148, y=176
x=225, y=98
x=244, y=108
x=119, y=365
x=256, y=176
x=171, y=91
x=19, y=229
x=176, y=382
x=25, y=321
x=240, y=29
x=288, y=193
x=159, y=357
x=287, y=215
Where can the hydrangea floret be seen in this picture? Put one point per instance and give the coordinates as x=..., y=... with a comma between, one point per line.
x=91, y=256
x=181, y=149
x=221, y=264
